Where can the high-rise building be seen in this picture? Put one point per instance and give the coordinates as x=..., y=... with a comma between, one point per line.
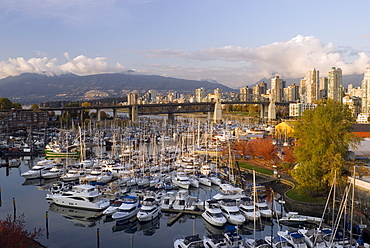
x=365, y=85
x=276, y=89
x=323, y=88
x=291, y=93
x=335, y=84
x=199, y=94
x=259, y=90
x=312, y=85
x=245, y=94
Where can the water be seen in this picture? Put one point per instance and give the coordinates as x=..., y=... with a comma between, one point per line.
x=64, y=230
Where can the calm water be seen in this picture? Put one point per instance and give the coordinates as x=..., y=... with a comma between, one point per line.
x=76, y=228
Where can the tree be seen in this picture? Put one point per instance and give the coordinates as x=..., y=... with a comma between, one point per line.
x=16, y=105
x=35, y=107
x=323, y=137
x=263, y=148
x=13, y=233
x=5, y=104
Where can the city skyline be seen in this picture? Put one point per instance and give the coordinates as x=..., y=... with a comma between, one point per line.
x=236, y=43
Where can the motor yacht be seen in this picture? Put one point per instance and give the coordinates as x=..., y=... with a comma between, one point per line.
x=40, y=168
x=248, y=209
x=213, y=213
x=231, y=211
x=129, y=208
x=80, y=196
x=181, y=180
x=149, y=210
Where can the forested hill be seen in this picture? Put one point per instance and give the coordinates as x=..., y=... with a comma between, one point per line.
x=35, y=88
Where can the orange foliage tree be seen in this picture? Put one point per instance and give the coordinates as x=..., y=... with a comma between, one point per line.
x=14, y=234
x=241, y=148
x=288, y=156
x=263, y=148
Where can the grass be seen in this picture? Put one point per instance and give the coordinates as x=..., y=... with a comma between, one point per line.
x=296, y=194
x=302, y=196
x=256, y=168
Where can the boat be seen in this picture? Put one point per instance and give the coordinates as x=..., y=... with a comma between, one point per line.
x=248, y=209
x=257, y=243
x=277, y=242
x=228, y=191
x=264, y=209
x=54, y=172
x=313, y=237
x=128, y=209
x=149, y=210
x=73, y=175
x=183, y=201
x=213, y=213
x=181, y=180
x=80, y=196
x=40, y=168
x=294, y=238
x=229, y=239
x=295, y=219
x=194, y=182
x=114, y=205
x=231, y=211
x=193, y=241
x=205, y=181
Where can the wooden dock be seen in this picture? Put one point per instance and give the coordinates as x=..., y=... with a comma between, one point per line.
x=179, y=214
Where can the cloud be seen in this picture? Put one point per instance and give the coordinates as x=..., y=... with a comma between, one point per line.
x=80, y=65
x=230, y=65
x=289, y=59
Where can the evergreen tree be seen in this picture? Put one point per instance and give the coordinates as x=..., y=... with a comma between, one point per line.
x=323, y=138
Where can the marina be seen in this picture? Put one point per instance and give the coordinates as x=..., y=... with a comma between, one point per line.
x=140, y=189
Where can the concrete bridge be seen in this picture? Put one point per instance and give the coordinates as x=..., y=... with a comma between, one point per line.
x=212, y=108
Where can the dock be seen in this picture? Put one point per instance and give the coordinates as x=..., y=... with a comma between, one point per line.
x=180, y=212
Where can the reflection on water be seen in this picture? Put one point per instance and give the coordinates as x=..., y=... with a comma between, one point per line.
x=79, y=217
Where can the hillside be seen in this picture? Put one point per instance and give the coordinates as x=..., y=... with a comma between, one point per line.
x=35, y=88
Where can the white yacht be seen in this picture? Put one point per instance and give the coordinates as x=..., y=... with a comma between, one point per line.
x=128, y=209
x=73, y=175
x=54, y=172
x=188, y=241
x=264, y=209
x=181, y=180
x=80, y=196
x=294, y=238
x=114, y=205
x=231, y=211
x=205, y=181
x=183, y=201
x=248, y=209
x=40, y=168
x=194, y=182
x=149, y=210
x=213, y=213
x=277, y=242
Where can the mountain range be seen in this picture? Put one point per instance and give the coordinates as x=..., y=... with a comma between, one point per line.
x=29, y=88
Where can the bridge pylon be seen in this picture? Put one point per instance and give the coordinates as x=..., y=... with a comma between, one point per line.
x=217, y=114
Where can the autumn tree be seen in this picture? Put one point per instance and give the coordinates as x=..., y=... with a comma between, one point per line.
x=323, y=138
x=241, y=148
x=14, y=234
x=263, y=148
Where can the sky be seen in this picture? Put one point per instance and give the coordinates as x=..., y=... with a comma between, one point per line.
x=235, y=42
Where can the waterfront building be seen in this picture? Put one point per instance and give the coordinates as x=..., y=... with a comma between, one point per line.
x=14, y=120
x=335, y=84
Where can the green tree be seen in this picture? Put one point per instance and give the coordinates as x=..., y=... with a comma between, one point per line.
x=323, y=138
x=35, y=107
x=16, y=105
x=5, y=104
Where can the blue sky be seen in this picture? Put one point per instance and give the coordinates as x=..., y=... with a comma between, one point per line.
x=235, y=42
